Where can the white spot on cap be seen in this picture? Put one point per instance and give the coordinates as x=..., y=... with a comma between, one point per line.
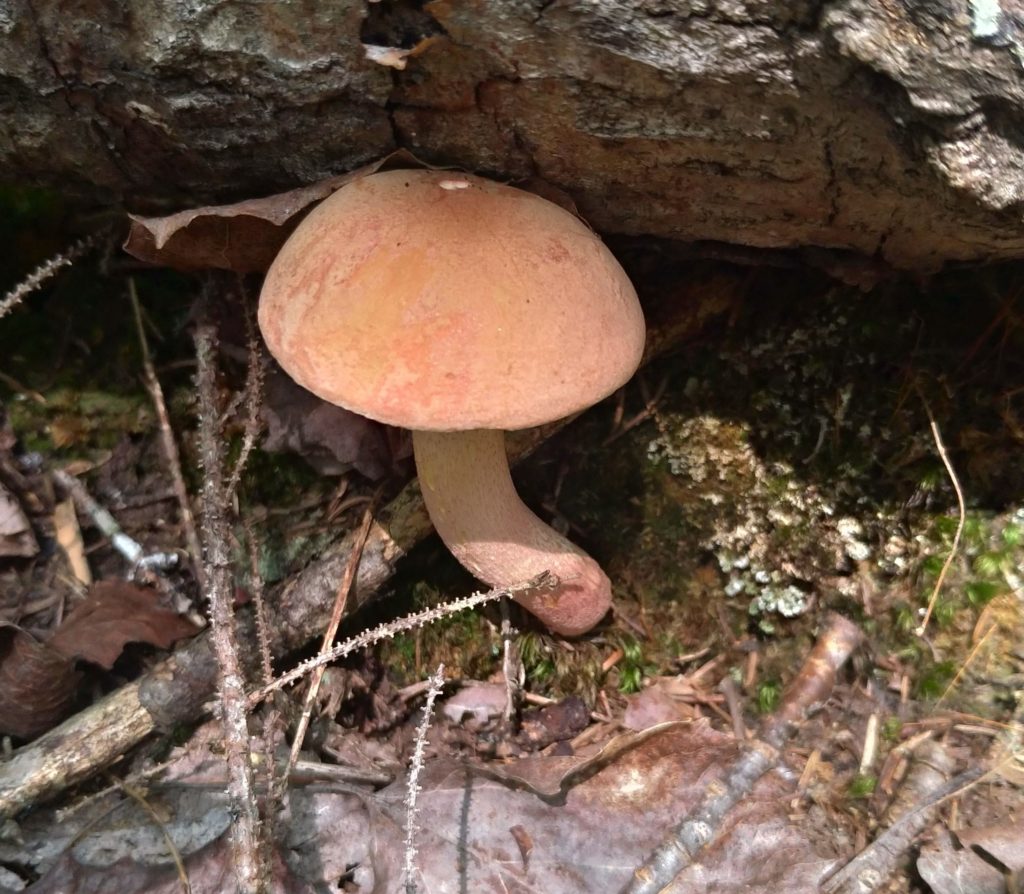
x=454, y=184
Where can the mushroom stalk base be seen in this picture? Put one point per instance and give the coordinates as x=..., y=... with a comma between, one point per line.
x=473, y=504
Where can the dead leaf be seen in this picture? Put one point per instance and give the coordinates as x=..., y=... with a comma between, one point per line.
x=244, y=236
x=949, y=870
x=16, y=537
x=38, y=684
x=331, y=439
x=477, y=834
x=479, y=702
x=654, y=705
x=113, y=614
x=209, y=871
x=1004, y=843
x=472, y=828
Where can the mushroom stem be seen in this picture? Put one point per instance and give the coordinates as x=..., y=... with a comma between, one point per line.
x=473, y=504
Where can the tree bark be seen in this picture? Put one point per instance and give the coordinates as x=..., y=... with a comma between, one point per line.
x=893, y=131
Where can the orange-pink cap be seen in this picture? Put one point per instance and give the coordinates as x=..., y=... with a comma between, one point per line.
x=443, y=301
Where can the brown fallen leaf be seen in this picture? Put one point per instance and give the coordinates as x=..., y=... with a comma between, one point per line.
x=38, y=680
x=113, y=614
x=244, y=236
x=476, y=833
x=655, y=705
x=38, y=684
x=592, y=838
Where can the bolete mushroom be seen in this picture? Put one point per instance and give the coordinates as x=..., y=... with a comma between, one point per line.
x=461, y=308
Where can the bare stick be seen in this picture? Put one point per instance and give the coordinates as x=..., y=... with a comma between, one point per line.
x=244, y=832
x=129, y=548
x=811, y=687
x=273, y=781
x=170, y=446
x=873, y=866
x=960, y=525
x=340, y=600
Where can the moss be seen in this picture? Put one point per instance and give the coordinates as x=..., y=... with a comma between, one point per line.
x=862, y=786
x=769, y=692
x=934, y=678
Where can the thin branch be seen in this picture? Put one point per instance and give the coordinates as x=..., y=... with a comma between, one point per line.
x=960, y=525
x=698, y=829
x=259, y=606
x=167, y=441
x=273, y=781
x=340, y=601
x=140, y=799
x=244, y=833
x=873, y=866
x=129, y=548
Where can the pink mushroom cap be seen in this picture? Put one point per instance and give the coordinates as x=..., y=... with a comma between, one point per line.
x=445, y=302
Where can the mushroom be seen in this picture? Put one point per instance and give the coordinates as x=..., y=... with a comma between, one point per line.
x=461, y=308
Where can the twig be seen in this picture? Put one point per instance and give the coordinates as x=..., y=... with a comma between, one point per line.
x=546, y=580
x=412, y=788
x=259, y=607
x=44, y=272
x=170, y=446
x=811, y=686
x=870, y=869
x=340, y=600
x=960, y=524
x=967, y=663
x=728, y=688
x=140, y=799
x=511, y=665
x=130, y=549
x=870, y=748
x=244, y=831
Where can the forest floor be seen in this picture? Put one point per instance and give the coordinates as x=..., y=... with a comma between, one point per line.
x=813, y=450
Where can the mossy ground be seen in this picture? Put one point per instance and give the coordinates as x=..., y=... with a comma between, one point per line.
x=790, y=469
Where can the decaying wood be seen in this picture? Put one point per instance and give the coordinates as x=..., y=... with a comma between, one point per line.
x=889, y=130
x=177, y=690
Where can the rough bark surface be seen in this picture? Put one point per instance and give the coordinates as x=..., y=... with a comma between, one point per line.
x=893, y=130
